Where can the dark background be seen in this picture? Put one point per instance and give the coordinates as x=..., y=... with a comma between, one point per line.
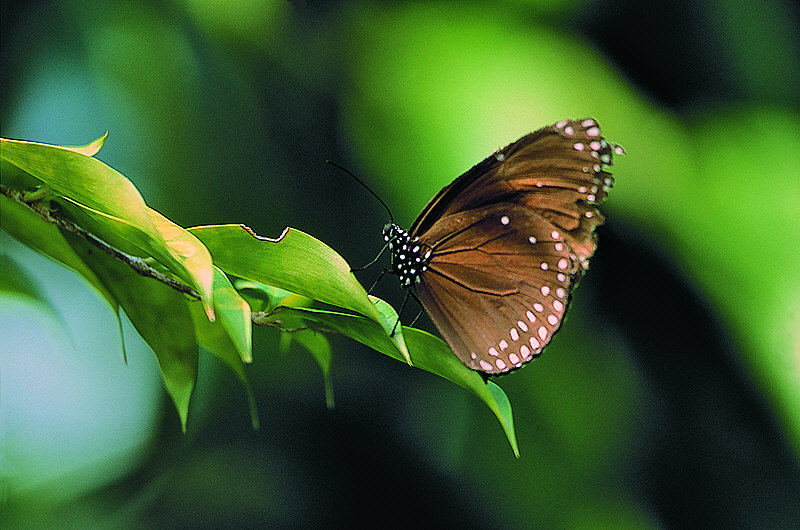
x=669, y=399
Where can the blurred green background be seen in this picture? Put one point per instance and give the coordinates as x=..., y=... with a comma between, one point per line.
x=670, y=398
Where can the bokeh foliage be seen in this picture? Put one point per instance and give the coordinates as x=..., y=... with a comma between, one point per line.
x=672, y=395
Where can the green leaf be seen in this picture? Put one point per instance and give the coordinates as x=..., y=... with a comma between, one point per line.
x=115, y=204
x=296, y=262
x=428, y=352
x=234, y=315
x=266, y=298
x=160, y=315
x=14, y=178
x=83, y=179
x=16, y=282
x=502, y=409
x=191, y=254
x=318, y=346
x=391, y=321
x=263, y=297
x=176, y=246
x=215, y=338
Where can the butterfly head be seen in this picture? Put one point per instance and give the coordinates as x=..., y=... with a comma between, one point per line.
x=409, y=256
x=391, y=232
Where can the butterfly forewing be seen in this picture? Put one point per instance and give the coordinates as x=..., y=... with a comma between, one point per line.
x=509, y=240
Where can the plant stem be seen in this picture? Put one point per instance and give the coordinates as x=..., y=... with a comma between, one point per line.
x=136, y=263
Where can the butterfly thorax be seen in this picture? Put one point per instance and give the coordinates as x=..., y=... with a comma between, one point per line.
x=409, y=257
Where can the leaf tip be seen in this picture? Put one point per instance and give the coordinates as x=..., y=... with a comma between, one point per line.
x=254, y=421
x=92, y=148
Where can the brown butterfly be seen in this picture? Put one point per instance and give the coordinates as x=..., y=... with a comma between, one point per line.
x=493, y=257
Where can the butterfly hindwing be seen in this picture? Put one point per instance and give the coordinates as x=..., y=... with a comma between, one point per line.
x=507, y=273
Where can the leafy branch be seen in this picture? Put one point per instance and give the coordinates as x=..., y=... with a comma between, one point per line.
x=213, y=283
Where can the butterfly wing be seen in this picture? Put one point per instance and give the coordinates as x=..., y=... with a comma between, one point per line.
x=510, y=238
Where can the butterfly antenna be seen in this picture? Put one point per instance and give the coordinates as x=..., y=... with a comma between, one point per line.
x=334, y=164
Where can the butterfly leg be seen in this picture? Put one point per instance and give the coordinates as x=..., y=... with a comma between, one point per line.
x=409, y=294
x=384, y=271
x=371, y=263
x=400, y=313
x=419, y=303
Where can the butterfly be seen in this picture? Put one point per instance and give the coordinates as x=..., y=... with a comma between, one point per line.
x=494, y=257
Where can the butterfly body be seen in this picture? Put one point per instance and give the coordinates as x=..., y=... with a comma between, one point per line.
x=409, y=257
x=495, y=255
